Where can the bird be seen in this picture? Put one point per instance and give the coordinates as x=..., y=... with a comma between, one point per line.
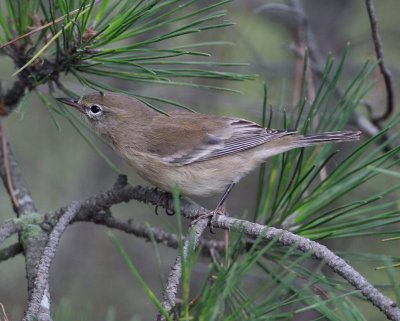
x=201, y=154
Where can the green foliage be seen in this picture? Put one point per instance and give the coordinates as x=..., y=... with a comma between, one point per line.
x=127, y=40
x=301, y=192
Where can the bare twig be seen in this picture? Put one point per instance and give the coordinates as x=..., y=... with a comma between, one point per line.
x=174, y=277
x=321, y=252
x=124, y=192
x=305, y=39
x=13, y=181
x=29, y=79
x=7, y=229
x=140, y=230
x=10, y=251
x=37, y=297
x=387, y=76
x=148, y=233
x=4, y=148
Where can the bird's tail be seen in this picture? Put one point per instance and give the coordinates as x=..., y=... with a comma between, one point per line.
x=327, y=137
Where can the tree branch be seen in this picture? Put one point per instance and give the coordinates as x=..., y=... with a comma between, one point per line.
x=102, y=217
x=174, y=277
x=10, y=251
x=9, y=169
x=321, y=252
x=387, y=76
x=28, y=79
x=11, y=98
x=148, y=233
x=7, y=229
x=122, y=192
x=37, y=298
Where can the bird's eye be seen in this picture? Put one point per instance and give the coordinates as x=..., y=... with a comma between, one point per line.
x=95, y=110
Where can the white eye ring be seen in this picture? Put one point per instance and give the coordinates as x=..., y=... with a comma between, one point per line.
x=95, y=110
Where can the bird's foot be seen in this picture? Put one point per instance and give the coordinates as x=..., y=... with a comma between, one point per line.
x=163, y=202
x=210, y=216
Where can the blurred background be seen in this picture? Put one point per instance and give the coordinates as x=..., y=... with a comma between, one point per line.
x=88, y=275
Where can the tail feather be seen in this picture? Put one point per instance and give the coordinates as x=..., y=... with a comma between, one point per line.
x=327, y=137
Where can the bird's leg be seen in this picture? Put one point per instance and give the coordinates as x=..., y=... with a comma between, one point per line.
x=218, y=209
x=223, y=198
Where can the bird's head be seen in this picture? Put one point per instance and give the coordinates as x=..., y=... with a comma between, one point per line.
x=111, y=113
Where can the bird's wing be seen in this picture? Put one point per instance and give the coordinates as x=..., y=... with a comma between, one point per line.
x=189, y=138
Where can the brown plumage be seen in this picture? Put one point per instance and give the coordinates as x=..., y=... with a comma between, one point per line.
x=201, y=153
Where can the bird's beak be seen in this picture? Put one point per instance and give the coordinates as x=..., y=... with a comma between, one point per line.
x=70, y=102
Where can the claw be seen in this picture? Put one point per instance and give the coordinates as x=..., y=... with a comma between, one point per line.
x=167, y=211
x=210, y=216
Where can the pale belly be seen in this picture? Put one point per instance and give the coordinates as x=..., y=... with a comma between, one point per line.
x=200, y=179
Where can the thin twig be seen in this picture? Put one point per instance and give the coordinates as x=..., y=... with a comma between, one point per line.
x=42, y=276
x=148, y=233
x=7, y=229
x=387, y=76
x=321, y=252
x=174, y=277
x=10, y=186
x=28, y=80
x=13, y=181
x=304, y=40
x=10, y=251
